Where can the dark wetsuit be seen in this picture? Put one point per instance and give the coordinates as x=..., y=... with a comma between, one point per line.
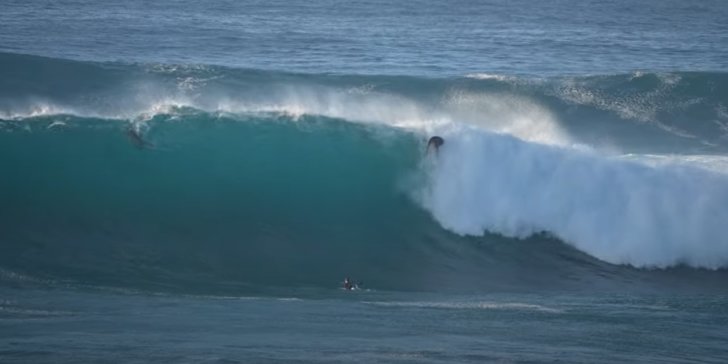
x=435, y=142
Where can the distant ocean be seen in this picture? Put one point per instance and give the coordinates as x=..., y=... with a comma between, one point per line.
x=191, y=182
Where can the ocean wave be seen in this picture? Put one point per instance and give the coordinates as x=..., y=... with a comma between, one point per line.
x=253, y=177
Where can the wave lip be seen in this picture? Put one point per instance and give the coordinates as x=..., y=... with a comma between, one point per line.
x=636, y=112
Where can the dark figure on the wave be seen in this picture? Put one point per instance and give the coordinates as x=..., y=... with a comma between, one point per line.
x=136, y=139
x=434, y=143
x=348, y=284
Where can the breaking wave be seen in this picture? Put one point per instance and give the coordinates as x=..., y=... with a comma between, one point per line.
x=171, y=176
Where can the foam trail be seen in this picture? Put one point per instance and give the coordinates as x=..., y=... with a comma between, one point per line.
x=620, y=211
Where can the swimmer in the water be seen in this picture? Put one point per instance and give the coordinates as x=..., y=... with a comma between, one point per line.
x=434, y=143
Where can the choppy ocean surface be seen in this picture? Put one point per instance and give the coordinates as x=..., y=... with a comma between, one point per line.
x=191, y=182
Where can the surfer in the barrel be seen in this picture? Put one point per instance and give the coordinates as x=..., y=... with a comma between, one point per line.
x=434, y=144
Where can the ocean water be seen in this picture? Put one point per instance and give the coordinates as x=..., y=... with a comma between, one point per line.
x=190, y=182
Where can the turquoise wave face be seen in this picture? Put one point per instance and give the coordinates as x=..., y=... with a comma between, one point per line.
x=255, y=201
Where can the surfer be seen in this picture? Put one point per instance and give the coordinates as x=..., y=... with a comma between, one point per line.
x=348, y=284
x=434, y=143
x=137, y=139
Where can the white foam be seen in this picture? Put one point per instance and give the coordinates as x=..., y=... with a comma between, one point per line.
x=618, y=210
x=713, y=163
x=35, y=108
x=56, y=124
x=489, y=76
x=370, y=107
x=470, y=305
